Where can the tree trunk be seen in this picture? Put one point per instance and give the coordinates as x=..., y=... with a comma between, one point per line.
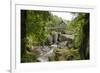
x=84, y=47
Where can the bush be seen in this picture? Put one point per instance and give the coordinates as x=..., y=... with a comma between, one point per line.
x=29, y=58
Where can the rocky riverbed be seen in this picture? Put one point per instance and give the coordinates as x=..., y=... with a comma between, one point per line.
x=56, y=48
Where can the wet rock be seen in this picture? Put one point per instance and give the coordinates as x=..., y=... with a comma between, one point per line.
x=45, y=48
x=55, y=37
x=62, y=44
x=49, y=40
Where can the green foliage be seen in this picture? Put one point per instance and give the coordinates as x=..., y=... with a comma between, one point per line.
x=65, y=54
x=55, y=20
x=36, y=30
x=76, y=25
x=37, y=33
x=30, y=40
x=29, y=58
x=80, y=25
x=36, y=25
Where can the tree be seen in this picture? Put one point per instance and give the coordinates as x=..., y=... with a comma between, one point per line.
x=80, y=25
x=84, y=48
x=36, y=25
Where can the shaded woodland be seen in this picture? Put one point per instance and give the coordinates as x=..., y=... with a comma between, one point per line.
x=47, y=37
